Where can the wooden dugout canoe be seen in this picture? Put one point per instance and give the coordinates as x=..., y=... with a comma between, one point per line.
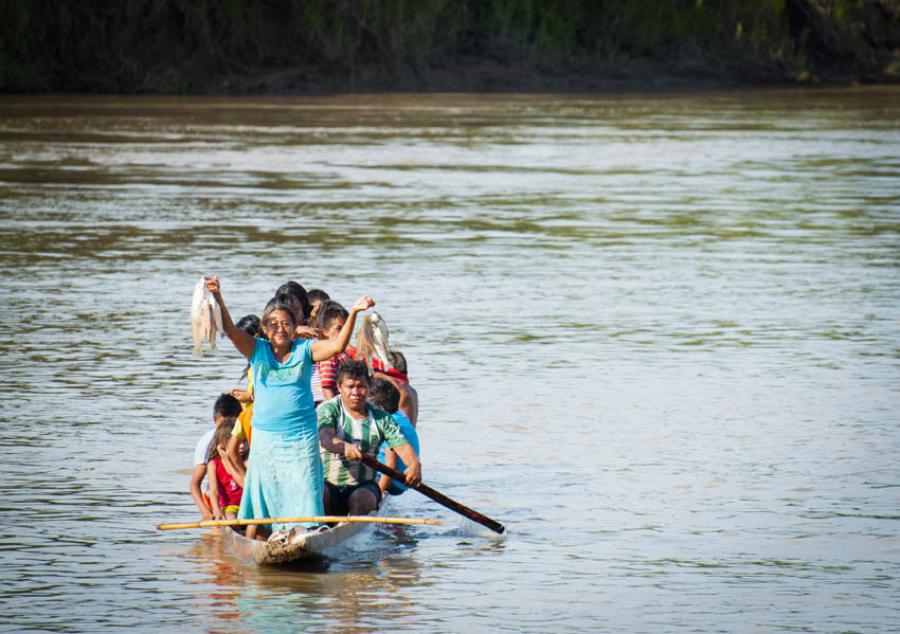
x=300, y=545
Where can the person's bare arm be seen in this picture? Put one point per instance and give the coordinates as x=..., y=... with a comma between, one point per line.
x=390, y=460
x=409, y=403
x=327, y=348
x=307, y=332
x=244, y=396
x=196, y=481
x=411, y=460
x=243, y=342
x=330, y=442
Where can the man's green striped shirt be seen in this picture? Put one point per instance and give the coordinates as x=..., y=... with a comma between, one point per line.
x=367, y=434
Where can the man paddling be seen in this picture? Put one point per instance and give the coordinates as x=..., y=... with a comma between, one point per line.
x=349, y=426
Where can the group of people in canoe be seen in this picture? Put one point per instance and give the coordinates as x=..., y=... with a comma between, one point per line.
x=291, y=444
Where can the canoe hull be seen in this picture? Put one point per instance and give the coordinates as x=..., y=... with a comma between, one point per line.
x=301, y=545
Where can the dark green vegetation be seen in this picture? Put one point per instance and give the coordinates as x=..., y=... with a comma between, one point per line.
x=213, y=46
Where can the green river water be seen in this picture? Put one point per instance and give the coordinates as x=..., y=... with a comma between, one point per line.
x=655, y=336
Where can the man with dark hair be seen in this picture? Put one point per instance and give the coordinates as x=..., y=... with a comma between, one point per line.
x=383, y=394
x=399, y=377
x=225, y=411
x=349, y=427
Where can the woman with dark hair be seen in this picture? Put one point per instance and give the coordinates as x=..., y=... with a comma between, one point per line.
x=297, y=297
x=284, y=474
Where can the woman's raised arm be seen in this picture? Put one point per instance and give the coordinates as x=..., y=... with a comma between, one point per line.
x=327, y=348
x=241, y=340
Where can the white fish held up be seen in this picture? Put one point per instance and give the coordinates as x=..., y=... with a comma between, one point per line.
x=206, y=317
x=376, y=331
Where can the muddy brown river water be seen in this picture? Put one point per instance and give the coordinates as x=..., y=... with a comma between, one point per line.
x=655, y=336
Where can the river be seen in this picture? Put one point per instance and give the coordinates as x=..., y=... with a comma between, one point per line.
x=657, y=337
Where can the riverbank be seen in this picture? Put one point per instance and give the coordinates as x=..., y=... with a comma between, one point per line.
x=489, y=76
x=317, y=46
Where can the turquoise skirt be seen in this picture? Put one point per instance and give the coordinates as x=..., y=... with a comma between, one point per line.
x=284, y=476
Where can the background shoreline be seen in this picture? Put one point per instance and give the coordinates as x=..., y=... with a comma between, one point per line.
x=321, y=47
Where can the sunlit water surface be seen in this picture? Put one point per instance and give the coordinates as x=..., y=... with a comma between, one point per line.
x=657, y=337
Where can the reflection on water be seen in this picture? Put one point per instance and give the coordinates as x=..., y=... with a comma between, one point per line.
x=656, y=337
x=355, y=594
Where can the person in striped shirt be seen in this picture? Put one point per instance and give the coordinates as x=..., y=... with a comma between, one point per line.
x=330, y=318
x=349, y=426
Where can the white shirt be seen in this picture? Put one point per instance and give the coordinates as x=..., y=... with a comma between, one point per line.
x=202, y=450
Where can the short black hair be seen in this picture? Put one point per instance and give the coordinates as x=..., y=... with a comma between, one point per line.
x=399, y=361
x=227, y=406
x=329, y=311
x=249, y=324
x=317, y=295
x=351, y=369
x=383, y=394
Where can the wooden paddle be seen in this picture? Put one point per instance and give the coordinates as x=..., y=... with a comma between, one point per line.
x=323, y=519
x=437, y=496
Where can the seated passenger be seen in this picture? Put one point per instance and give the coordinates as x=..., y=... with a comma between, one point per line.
x=349, y=427
x=330, y=319
x=226, y=482
x=225, y=410
x=296, y=297
x=399, y=377
x=315, y=296
x=387, y=397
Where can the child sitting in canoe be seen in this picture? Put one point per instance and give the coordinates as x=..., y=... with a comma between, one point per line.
x=226, y=481
x=316, y=296
x=225, y=411
x=399, y=378
x=383, y=394
x=330, y=319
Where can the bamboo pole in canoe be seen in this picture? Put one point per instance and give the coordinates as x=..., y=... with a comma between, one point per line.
x=321, y=519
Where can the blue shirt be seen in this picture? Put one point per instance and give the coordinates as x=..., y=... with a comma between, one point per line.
x=282, y=397
x=409, y=432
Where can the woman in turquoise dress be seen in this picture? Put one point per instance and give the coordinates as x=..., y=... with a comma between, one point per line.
x=284, y=474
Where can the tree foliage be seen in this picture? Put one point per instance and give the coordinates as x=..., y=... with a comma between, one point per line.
x=197, y=45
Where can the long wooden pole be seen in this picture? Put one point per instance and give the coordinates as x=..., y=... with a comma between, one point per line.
x=322, y=519
x=437, y=496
